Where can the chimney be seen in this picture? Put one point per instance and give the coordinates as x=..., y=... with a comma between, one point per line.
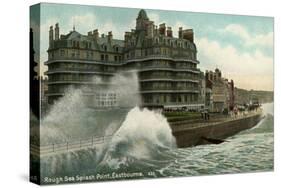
x=232, y=84
x=51, y=35
x=162, y=29
x=57, y=31
x=180, y=33
x=127, y=37
x=169, y=32
x=156, y=30
x=96, y=34
x=90, y=33
x=110, y=36
x=207, y=76
x=211, y=75
x=188, y=34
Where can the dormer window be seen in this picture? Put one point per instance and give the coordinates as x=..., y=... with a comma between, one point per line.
x=105, y=48
x=116, y=48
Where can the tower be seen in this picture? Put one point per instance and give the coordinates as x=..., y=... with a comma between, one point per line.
x=142, y=20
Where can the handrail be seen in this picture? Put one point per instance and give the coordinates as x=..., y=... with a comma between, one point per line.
x=55, y=148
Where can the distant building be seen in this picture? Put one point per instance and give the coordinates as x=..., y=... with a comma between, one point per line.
x=222, y=91
x=202, y=89
x=166, y=65
x=244, y=97
x=209, y=99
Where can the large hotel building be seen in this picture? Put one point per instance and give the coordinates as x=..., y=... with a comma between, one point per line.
x=166, y=66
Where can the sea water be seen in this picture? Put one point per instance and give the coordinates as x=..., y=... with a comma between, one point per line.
x=142, y=145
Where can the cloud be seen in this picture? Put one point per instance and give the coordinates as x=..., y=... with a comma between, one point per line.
x=154, y=17
x=249, y=39
x=249, y=70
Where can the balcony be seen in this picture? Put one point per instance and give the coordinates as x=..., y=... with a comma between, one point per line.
x=166, y=89
x=171, y=78
x=167, y=68
x=82, y=60
x=80, y=71
x=165, y=57
x=175, y=104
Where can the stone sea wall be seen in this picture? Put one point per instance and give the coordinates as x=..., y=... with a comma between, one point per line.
x=187, y=137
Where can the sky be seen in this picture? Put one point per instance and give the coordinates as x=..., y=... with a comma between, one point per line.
x=241, y=46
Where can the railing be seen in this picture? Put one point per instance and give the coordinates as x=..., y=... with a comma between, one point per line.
x=168, y=88
x=111, y=72
x=171, y=66
x=160, y=56
x=84, y=60
x=55, y=148
x=96, y=71
x=179, y=69
x=91, y=60
x=168, y=77
x=175, y=104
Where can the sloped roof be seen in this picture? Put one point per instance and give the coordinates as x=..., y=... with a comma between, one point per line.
x=114, y=42
x=73, y=35
x=142, y=15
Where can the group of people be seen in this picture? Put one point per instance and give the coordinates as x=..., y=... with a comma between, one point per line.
x=205, y=114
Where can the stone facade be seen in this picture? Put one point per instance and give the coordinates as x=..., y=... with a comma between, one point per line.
x=166, y=65
x=222, y=91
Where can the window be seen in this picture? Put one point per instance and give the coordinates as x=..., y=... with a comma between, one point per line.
x=102, y=57
x=62, y=53
x=115, y=58
x=179, y=98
